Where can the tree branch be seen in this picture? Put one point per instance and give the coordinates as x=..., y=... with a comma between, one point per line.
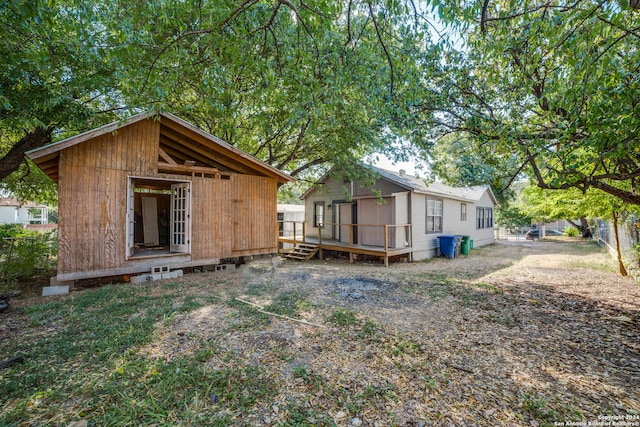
x=36, y=138
x=384, y=47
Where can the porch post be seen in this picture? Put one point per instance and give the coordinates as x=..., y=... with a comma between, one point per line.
x=386, y=238
x=350, y=243
x=350, y=235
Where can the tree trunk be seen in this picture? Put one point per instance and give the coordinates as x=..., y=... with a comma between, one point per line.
x=33, y=139
x=584, y=228
x=574, y=224
x=623, y=271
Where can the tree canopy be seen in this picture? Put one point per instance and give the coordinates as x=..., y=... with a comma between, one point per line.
x=297, y=84
x=544, y=88
x=549, y=88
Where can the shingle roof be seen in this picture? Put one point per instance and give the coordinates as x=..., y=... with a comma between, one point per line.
x=20, y=204
x=421, y=185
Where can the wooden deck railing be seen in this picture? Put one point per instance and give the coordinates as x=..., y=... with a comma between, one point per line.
x=297, y=233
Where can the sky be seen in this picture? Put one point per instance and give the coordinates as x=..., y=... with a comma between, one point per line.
x=386, y=163
x=410, y=166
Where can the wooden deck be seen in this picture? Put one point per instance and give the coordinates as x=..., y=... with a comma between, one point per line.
x=384, y=252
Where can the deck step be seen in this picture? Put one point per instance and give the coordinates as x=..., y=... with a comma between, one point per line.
x=302, y=252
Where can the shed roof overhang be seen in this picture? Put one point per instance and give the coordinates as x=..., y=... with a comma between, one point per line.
x=179, y=141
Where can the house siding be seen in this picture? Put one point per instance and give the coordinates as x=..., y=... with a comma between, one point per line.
x=402, y=216
x=484, y=236
x=329, y=193
x=406, y=207
x=383, y=186
x=253, y=209
x=8, y=215
x=426, y=244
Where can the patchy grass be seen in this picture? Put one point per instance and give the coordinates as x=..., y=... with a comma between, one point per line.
x=602, y=266
x=82, y=362
x=342, y=317
x=422, y=347
x=291, y=303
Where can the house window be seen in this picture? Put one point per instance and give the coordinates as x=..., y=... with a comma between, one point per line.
x=434, y=216
x=479, y=217
x=318, y=214
x=463, y=211
x=484, y=217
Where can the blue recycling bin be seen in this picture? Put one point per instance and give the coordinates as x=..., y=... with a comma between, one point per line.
x=448, y=246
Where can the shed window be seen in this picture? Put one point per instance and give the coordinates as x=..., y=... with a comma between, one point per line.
x=434, y=216
x=463, y=211
x=318, y=214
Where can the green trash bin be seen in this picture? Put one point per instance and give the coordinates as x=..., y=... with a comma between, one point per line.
x=465, y=245
x=470, y=243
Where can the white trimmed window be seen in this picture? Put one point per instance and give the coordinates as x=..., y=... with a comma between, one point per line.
x=434, y=216
x=318, y=214
x=484, y=217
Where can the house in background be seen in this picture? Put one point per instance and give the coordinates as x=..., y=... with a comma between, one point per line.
x=156, y=191
x=13, y=211
x=290, y=218
x=399, y=214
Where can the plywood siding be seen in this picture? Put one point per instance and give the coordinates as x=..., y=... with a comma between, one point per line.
x=94, y=206
x=92, y=201
x=133, y=148
x=230, y=217
x=326, y=195
x=371, y=212
x=254, y=215
x=331, y=192
x=211, y=218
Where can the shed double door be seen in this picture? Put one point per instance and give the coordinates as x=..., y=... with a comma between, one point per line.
x=180, y=216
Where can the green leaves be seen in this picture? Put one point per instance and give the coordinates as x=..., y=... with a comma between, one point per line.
x=553, y=87
x=299, y=85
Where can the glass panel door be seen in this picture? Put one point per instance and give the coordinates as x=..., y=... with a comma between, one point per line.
x=130, y=219
x=180, y=233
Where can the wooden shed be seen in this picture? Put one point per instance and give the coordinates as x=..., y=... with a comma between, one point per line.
x=156, y=191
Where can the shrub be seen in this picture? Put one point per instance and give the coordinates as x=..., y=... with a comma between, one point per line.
x=571, y=232
x=8, y=231
x=25, y=253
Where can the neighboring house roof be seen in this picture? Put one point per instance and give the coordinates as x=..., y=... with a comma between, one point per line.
x=420, y=185
x=175, y=134
x=20, y=204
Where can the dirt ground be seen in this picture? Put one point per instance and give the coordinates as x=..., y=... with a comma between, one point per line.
x=517, y=333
